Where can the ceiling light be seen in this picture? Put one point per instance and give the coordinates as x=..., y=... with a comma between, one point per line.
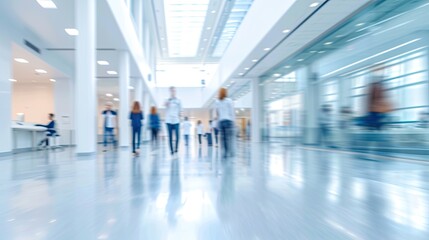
x=72, y=31
x=241, y=74
x=277, y=75
x=214, y=11
x=267, y=49
x=162, y=39
x=46, y=4
x=360, y=24
x=102, y=62
x=130, y=87
x=246, y=68
x=41, y=71
x=254, y=60
x=313, y=51
x=21, y=60
x=327, y=43
x=322, y=51
x=287, y=66
x=112, y=72
x=300, y=60
x=315, y=4
x=109, y=95
x=116, y=99
x=205, y=40
x=209, y=28
x=13, y=80
x=52, y=80
x=286, y=31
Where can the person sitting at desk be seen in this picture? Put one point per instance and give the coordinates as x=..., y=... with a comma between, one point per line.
x=50, y=130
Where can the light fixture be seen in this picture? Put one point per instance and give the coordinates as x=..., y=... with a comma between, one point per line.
x=21, y=60
x=109, y=95
x=246, y=68
x=214, y=11
x=209, y=28
x=47, y=4
x=360, y=24
x=286, y=31
x=241, y=74
x=130, y=87
x=110, y=72
x=322, y=51
x=52, y=80
x=162, y=39
x=313, y=51
x=13, y=80
x=315, y=4
x=205, y=39
x=300, y=60
x=255, y=60
x=72, y=31
x=116, y=99
x=41, y=71
x=277, y=75
x=267, y=49
x=287, y=66
x=102, y=62
x=327, y=43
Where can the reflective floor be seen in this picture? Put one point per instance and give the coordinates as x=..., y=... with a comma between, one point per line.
x=269, y=191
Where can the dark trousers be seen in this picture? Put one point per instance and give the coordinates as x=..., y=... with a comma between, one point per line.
x=170, y=128
x=186, y=139
x=109, y=133
x=136, y=135
x=216, y=133
x=154, y=135
x=199, y=138
x=226, y=132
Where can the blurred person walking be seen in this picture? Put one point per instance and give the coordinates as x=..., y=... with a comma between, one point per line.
x=215, y=128
x=200, y=131
x=172, y=119
x=136, y=117
x=154, y=125
x=378, y=106
x=110, y=123
x=225, y=113
x=186, y=125
x=325, y=121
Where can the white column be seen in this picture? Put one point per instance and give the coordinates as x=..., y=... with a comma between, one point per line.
x=85, y=82
x=257, y=103
x=138, y=18
x=5, y=96
x=138, y=91
x=124, y=96
x=310, y=106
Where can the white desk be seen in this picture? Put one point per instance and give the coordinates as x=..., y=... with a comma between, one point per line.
x=27, y=135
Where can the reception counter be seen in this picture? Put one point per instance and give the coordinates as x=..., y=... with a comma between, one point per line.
x=26, y=136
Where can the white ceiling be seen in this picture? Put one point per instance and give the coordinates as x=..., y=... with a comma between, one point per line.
x=49, y=24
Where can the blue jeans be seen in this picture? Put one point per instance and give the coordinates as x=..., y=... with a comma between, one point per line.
x=109, y=133
x=216, y=133
x=136, y=134
x=226, y=128
x=170, y=128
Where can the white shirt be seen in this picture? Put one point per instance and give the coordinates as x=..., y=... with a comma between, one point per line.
x=214, y=124
x=225, y=109
x=200, y=129
x=187, y=127
x=174, y=107
x=109, y=118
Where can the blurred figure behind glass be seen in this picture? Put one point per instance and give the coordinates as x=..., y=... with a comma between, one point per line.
x=226, y=116
x=378, y=106
x=325, y=124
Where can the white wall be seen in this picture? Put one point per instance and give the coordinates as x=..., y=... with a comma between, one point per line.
x=5, y=94
x=35, y=100
x=190, y=97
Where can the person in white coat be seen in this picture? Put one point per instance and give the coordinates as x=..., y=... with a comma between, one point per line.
x=186, y=125
x=224, y=110
x=200, y=131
